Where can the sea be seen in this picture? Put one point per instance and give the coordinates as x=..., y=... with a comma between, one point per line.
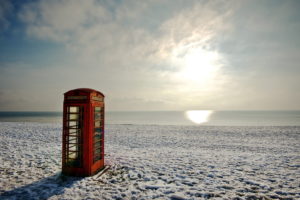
x=184, y=118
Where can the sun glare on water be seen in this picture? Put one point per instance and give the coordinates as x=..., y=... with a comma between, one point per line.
x=198, y=116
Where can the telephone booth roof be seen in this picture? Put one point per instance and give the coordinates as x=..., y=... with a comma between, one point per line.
x=84, y=90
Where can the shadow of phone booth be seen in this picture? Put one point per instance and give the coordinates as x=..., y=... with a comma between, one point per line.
x=83, y=132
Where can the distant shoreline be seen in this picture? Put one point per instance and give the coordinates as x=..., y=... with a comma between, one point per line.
x=189, y=118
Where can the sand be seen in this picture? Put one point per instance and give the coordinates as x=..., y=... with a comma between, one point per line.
x=156, y=162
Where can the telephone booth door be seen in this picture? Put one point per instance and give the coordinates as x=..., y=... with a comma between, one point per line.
x=74, y=136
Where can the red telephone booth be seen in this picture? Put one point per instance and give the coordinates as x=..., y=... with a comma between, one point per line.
x=83, y=132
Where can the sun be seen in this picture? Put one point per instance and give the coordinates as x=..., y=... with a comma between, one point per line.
x=199, y=65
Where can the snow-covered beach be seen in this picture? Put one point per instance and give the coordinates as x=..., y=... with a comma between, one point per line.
x=156, y=162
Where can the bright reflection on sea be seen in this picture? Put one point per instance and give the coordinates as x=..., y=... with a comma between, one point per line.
x=198, y=116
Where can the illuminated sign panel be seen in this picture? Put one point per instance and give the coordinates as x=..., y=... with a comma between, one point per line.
x=76, y=97
x=97, y=98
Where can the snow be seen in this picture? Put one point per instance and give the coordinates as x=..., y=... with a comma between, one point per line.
x=156, y=162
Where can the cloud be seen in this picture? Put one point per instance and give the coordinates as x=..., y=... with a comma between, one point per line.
x=57, y=20
x=133, y=47
x=90, y=27
x=6, y=9
x=265, y=35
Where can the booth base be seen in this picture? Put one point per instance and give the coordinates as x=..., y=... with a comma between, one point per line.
x=101, y=172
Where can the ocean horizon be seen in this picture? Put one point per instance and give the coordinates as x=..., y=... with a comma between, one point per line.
x=189, y=117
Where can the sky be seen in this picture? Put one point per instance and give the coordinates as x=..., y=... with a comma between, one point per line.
x=151, y=55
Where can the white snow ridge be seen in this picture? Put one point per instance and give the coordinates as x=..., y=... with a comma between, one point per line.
x=156, y=162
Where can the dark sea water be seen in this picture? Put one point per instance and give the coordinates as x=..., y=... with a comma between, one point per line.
x=195, y=117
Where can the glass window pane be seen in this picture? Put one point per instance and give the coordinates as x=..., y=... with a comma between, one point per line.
x=98, y=151
x=96, y=158
x=73, y=116
x=97, y=145
x=97, y=124
x=97, y=116
x=97, y=131
x=74, y=109
x=73, y=155
x=74, y=132
x=97, y=137
x=73, y=124
x=73, y=148
x=73, y=140
x=97, y=109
